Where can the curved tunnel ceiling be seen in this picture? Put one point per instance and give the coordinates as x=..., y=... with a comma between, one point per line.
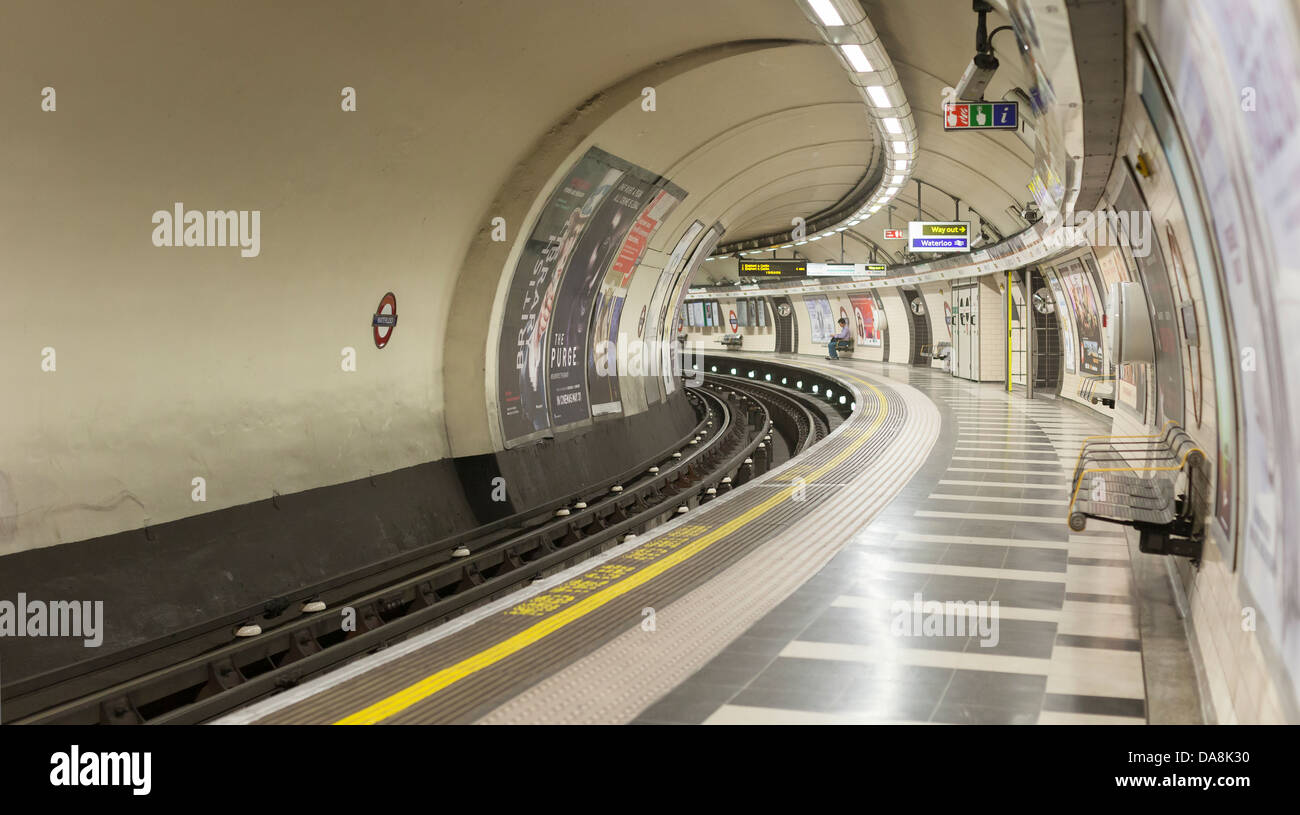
x=466, y=112
x=987, y=172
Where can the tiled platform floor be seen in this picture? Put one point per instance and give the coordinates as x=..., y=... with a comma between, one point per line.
x=982, y=521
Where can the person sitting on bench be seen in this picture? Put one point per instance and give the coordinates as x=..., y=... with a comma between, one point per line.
x=842, y=334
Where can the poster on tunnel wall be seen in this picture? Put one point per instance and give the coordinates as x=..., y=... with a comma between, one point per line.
x=1087, y=314
x=659, y=305
x=1249, y=163
x=819, y=318
x=677, y=293
x=602, y=357
x=530, y=300
x=1063, y=320
x=1160, y=306
x=567, y=342
x=1130, y=384
x=865, y=325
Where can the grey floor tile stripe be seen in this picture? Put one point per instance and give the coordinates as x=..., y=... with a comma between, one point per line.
x=1095, y=705
x=1105, y=643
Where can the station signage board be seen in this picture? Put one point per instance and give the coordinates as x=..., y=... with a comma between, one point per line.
x=773, y=268
x=846, y=269
x=981, y=116
x=938, y=236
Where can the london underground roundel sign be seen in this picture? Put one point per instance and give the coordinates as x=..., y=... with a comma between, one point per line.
x=385, y=319
x=735, y=323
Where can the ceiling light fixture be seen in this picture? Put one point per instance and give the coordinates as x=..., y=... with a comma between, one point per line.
x=826, y=12
x=853, y=53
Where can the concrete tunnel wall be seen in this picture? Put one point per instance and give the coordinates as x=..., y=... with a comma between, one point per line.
x=177, y=363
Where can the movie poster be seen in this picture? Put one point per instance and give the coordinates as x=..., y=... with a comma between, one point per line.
x=868, y=329
x=1087, y=314
x=567, y=344
x=521, y=363
x=602, y=358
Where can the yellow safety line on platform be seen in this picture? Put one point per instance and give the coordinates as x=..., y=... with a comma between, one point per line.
x=430, y=685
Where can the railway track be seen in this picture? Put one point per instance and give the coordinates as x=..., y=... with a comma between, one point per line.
x=198, y=675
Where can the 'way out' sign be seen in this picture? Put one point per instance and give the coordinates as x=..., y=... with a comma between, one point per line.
x=938, y=236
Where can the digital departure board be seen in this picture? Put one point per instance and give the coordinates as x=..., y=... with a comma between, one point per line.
x=773, y=268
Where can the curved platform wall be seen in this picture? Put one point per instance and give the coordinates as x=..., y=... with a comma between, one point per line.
x=1221, y=179
x=172, y=364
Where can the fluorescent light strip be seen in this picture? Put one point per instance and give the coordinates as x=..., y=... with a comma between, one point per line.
x=892, y=125
x=826, y=12
x=853, y=53
x=879, y=96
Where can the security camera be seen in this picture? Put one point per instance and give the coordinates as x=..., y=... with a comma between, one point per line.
x=977, y=77
x=1031, y=214
x=970, y=87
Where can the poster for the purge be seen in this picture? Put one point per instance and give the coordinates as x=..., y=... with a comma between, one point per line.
x=567, y=344
x=521, y=364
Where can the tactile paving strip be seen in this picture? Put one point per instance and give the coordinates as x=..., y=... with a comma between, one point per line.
x=614, y=683
x=463, y=676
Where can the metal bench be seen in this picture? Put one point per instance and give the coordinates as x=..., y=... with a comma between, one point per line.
x=1146, y=482
x=732, y=340
x=1094, y=389
x=844, y=347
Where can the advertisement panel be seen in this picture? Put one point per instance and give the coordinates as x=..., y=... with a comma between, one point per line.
x=819, y=318
x=1249, y=160
x=521, y=356
x=657, y=313
x=602, y=357
x=1064, y=320
x=1164, y=322
x=1087, y=314
x=702, y=250
x=567, y=343
x=865, y=324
